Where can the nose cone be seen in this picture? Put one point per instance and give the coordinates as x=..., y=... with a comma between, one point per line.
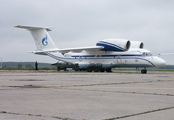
x=159, y=62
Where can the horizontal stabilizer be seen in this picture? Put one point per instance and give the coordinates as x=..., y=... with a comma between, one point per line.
x=32, y=28
x=38, y=52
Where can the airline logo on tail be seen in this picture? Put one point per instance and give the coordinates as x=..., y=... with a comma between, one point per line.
x=44, y=41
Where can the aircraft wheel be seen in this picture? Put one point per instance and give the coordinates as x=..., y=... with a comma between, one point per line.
x=89, y=69
x=102, y=70
x=96, y=69
x=108, y=70
x=143, y=71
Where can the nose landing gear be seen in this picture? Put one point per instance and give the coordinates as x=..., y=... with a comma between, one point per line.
x=143, y=71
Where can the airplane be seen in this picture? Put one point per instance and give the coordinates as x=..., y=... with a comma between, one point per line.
x=107, y=54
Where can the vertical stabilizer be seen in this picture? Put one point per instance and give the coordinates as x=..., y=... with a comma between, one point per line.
x=41, y=37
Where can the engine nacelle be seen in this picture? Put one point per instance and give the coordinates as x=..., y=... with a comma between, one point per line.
x=136, y=44
x=114, y=44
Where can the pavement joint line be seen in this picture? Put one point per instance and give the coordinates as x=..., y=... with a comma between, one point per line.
x=136, y=114
x=91, y=86
x=128, y=87
x=47, y=86
x=86, y=85
x=4, y=112
x=118, y=91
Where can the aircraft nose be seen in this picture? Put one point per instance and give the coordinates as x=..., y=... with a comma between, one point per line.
x=160, y=62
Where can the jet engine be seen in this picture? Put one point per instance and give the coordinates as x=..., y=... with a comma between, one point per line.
x=114, y=44
x=136, y=44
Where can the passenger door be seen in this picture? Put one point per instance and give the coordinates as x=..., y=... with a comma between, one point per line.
x=119, y=61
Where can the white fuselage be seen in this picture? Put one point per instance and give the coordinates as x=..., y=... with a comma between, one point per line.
x=109, y=59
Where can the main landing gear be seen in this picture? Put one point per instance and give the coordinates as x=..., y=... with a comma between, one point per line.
x=98, y=69
x=143, y=71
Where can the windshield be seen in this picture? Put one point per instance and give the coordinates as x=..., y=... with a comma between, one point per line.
x=147, y=54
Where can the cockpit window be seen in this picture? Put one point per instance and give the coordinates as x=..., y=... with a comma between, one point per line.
x=147, y=54
x=150, y=54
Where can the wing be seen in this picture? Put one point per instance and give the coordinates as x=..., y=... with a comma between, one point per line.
x=80, y=49
x=66, y=50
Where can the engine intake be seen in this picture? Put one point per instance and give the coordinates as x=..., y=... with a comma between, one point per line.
x=114, y=44
x=136, y=44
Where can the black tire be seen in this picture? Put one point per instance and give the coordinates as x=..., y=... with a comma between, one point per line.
x=89, y=69
x=96, y=69
x=102, y=70
x=143, y=71
x=108, y=70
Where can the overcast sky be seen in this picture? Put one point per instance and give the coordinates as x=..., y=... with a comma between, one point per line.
x=80, y=23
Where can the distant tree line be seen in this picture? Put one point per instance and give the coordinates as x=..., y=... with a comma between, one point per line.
x=25, y=64
x=166, y=67
x=19, y=65
x=28, y=65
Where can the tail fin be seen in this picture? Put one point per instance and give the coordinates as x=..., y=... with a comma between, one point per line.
x=41, y=37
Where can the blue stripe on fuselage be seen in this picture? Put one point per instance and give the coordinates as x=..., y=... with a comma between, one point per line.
x=105, y=55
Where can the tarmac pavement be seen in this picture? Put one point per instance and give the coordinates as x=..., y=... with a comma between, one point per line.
x=125, y=95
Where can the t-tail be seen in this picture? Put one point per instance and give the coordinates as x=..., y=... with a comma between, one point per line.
x=41, y=37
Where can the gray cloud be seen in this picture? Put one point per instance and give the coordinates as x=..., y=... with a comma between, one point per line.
x=82, y=23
